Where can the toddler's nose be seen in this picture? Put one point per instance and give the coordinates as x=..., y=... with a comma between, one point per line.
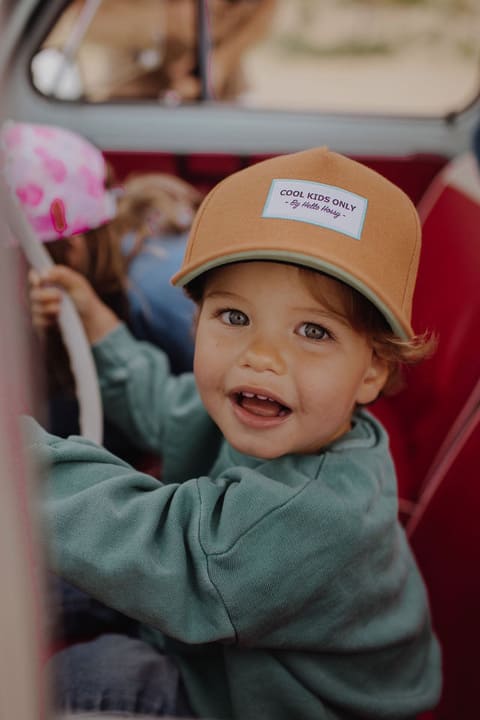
x=262, y=355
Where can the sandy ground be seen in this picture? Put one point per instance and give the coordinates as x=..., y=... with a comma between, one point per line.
x=432, y=63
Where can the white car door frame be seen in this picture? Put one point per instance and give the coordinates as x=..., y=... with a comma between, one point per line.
x=211, y=127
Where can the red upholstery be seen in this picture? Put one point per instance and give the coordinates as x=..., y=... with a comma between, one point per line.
x=413, y=173
x=125, y=163
x=446, y=542
x=447, y=301
x=203, y=170
x=434, y=426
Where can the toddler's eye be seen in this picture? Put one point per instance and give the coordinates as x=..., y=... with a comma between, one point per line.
x=234, y=317
x=313, y=331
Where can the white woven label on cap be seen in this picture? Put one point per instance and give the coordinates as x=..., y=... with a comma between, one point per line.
x=318, y=204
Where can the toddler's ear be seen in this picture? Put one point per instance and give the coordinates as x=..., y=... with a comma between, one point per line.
x=374, y=380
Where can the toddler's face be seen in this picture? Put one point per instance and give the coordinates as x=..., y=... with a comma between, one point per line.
x=277, y=370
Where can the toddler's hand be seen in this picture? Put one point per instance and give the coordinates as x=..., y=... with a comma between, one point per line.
x=46, y=297
x=44, y=302
x=46, y=294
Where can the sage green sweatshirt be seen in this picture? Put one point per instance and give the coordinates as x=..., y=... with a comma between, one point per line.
x=285, y=588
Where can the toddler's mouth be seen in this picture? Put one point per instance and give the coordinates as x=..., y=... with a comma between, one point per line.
x=260, y=405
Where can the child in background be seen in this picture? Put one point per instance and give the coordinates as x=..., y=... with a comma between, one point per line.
x=269, y=568
x=66, y=190
x=155, y=212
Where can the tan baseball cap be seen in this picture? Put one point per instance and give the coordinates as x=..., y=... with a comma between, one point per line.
x=317, y=209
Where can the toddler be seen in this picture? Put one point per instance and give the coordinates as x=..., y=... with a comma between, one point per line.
x=269, y=569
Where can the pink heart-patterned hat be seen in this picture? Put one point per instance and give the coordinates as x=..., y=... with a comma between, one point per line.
x=58, y=177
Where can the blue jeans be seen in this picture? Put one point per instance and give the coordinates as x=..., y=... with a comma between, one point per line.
x=74, y=616
x=159, y=312
x=117, y=673
x=106, y=666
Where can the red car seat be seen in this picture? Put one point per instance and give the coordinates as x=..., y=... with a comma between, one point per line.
x=434, y=425
x=447, y=302
x=445, y=536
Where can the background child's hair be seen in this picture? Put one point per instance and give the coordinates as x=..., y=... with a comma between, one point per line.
x=106, y=270
x=154, y=204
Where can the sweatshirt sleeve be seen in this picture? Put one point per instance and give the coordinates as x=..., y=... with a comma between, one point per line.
x=125, y=538
x=160, y=412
